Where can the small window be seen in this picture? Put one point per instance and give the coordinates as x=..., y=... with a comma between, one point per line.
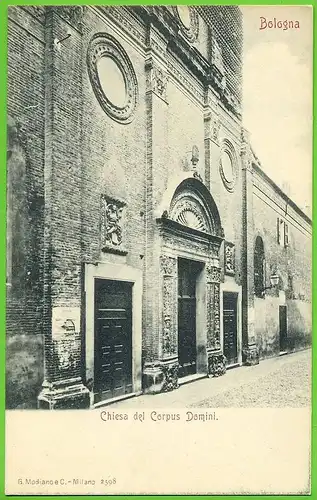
x=286, y=237
x=259, y=268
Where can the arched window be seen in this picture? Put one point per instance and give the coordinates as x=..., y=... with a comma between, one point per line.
x=259, y=267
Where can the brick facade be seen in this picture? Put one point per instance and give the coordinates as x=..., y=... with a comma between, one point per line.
x=77, y=166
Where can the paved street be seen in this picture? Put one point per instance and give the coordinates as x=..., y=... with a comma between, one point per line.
x=277, y=382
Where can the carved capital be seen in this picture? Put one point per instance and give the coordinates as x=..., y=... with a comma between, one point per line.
x=168, y=265
x=157, y=79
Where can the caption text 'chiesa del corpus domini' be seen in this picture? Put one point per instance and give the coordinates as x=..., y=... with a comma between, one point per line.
x=146, y=246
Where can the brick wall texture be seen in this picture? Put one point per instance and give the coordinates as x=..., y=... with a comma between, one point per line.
x=65, y=153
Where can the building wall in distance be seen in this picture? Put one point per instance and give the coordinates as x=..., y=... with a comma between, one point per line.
x=291, y=260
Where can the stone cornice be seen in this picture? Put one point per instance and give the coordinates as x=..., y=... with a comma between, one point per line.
x=163, y=19
x=272, y=191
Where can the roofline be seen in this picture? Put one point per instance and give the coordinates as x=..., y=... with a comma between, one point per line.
x=289, y=201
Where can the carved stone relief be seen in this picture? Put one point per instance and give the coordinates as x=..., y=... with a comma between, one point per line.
x=111, y=223
x=230, y=266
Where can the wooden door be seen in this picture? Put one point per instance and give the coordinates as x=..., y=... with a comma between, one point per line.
x=187, y=276
x=283, y=328
x=113, y=339
x=230, y=348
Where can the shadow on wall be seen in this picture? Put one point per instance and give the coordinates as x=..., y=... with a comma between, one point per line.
x=24, y=370
x=299, y=319
x=267, y=326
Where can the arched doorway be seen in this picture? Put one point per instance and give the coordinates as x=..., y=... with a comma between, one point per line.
x=190, y=235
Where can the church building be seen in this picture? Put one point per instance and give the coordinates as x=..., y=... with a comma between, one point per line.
x=146, y=246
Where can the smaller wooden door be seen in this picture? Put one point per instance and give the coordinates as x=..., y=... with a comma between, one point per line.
x=187, y=277
x=113, y=339
x=283, y=328
x=230, y=347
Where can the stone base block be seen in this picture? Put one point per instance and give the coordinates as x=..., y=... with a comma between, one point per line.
x=160, y=376
x=216, y=364
x=64, y=397
x=250, y=355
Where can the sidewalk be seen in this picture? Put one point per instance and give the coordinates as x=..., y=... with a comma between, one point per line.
x=283, y=381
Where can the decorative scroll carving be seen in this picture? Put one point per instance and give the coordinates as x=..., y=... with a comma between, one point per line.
x=215, y=129
x=169, y=271
x=213, y=306
x=170, y=372
x=230, y=266
x=72, y=14
x=250, y=355
x=159, y=81
x=111, y=222
x=105, y=45
x=217, y=364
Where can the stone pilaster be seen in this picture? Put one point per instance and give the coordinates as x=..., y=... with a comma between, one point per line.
x=250, y=352
x=212, y=127
x=162, y=375
x=159, y=340
x=216, y=359
x=62, y=387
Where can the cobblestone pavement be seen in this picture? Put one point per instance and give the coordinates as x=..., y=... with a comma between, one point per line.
x=283, y=381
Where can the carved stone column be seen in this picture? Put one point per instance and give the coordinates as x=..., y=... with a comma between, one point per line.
x=162, y=375
x=250, y=353
x=216, y=359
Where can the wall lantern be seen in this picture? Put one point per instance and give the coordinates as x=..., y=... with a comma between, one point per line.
x=274, y=280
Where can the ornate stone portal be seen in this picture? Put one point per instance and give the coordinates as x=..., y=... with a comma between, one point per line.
x=190, y=229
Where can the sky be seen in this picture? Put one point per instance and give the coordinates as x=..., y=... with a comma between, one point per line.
x=277, y=97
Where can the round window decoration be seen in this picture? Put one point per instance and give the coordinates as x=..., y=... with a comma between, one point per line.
x=188, y=20
x=112, y=77
x=228, y=166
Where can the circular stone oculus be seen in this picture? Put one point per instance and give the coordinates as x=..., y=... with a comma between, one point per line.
x=227, y=167
x=184, y=15
x=112, y=77
x=112, y=81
